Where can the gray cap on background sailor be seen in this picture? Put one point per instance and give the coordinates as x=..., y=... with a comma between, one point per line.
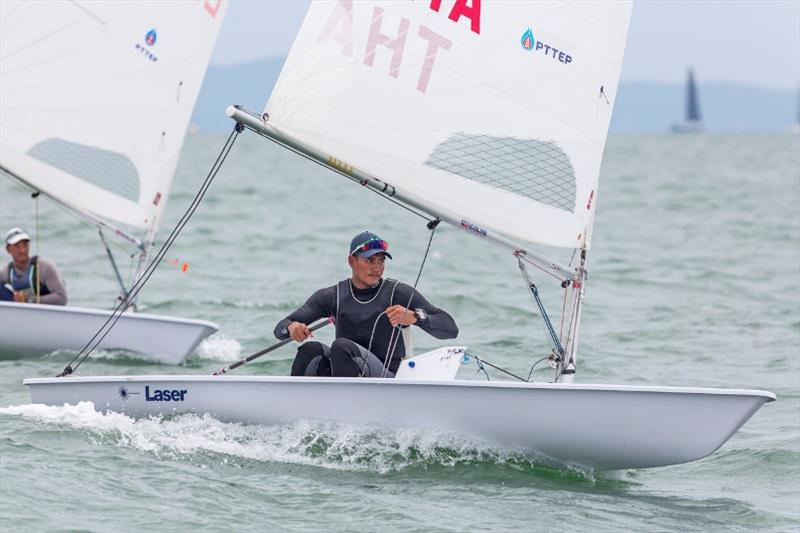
x=14, y=235
x=367, y=244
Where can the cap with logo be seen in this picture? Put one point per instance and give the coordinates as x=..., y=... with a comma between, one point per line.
x=367, y=244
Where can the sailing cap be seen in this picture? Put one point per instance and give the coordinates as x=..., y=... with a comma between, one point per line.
x=15, y=235
x=367, y=244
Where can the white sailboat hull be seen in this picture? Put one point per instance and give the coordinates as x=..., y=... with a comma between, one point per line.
x=28, y=330
x=604, y=427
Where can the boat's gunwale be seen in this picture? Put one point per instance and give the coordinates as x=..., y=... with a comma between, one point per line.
x=769, y=396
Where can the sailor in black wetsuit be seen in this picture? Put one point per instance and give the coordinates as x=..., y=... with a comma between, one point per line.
x=366, y=308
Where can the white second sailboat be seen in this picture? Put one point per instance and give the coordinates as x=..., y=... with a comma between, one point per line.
x=95, y=100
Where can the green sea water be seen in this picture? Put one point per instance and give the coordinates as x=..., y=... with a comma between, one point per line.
x=694, y=281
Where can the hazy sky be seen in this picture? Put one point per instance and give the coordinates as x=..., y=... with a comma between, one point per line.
x=756, y=42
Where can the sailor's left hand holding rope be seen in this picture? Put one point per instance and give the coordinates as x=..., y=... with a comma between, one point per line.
x=399, y=315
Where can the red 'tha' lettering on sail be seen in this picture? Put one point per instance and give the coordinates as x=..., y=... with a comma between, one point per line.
x=461, y=8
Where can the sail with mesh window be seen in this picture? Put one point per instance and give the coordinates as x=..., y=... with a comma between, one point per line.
x=495, y=111
x=96, y=98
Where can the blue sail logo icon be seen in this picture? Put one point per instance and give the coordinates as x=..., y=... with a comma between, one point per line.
x=527, y=40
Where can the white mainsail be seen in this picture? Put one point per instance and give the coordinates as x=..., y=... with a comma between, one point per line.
x=496, y=112
x=95, y=100
x=96, y=97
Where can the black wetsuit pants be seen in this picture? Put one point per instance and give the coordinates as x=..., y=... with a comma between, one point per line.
x=344, y=358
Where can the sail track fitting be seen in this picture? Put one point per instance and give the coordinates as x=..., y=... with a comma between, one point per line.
x=396, y=332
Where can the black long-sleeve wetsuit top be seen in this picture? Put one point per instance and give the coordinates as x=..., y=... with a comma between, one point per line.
x=360, y=317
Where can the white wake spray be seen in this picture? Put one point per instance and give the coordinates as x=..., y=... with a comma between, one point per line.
x=220, y=348
x=310, y=443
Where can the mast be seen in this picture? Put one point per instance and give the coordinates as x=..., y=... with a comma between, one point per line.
x=570, y=363
x=144, y=255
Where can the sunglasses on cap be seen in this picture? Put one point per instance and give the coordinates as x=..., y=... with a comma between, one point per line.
x=372, y=244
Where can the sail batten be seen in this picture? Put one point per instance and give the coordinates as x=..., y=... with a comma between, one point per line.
x=494, y=111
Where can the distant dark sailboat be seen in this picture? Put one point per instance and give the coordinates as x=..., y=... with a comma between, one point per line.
x=692, y=122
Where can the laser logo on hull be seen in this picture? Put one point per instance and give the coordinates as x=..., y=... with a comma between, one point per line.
x=164, y=395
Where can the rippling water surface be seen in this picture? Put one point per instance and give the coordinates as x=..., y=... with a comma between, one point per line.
x=695, y=281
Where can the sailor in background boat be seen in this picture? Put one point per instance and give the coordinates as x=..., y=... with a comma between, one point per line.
x=27, y=279
x=367, y=308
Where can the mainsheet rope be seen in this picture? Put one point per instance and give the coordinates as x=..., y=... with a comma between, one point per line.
x=155, y=262
x=38, y=238
x=397, y=331
x=393, y=341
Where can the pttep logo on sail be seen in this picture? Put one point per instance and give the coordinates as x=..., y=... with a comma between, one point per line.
x=530, y=44
x=150, y=40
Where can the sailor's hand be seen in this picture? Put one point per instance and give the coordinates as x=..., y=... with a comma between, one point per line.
x=20, y=296
x=299, y=331
x=397, y=314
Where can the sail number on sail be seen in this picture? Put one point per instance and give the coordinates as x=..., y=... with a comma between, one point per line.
x=339, y=28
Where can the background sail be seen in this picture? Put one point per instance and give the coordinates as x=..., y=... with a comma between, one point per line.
x=96, y=97
x=692, y=104
x=496, y=111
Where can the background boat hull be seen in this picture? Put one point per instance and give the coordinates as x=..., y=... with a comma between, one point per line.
x=32, y=330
